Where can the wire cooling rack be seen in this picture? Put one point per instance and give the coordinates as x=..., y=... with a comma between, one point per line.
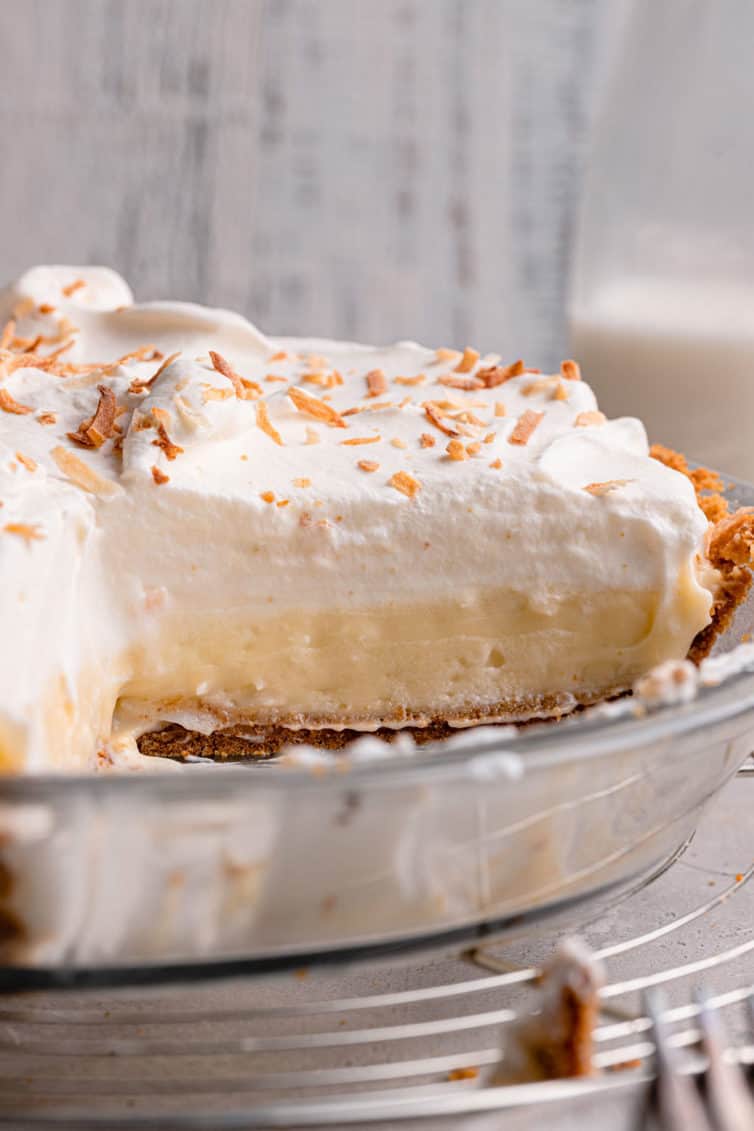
x=385, y=1045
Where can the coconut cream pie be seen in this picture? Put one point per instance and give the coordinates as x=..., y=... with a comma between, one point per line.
x=203, y=526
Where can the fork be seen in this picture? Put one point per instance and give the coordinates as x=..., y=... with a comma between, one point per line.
x=724, y=1103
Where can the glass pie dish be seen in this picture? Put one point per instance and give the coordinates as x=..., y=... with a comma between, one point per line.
x=216, y=870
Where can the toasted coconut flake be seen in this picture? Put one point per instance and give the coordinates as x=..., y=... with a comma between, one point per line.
x=53, y=355
x=496, y=375
x=368, y=465
x=264, y=422
x=143, y=353
x=26, y=345
x=244, y=389
x=281, y=355
x=162, y=415
x=212, y=393
x=465, y=416
x=419, y=379
x=71, y=288
x=267, y=496
x=138, y=386
x=525, y=426
x=8, y=404
x=589, y=419
x=433, y=415
x=405, y=483
x=570, y=370
x=8, y=334
x=142, y=422
x=500, y=408
x=271, y=377
x=397, y=442
x=82, y=474
x=496, y=464
x=164, y=442
x=302, y=482
x=468, y=361
x=46, y=308
x=456, y=450
x=159, y=476
x=312, y=435
x=93, y=432
x=543, y=385
x=29, y=463
x=560, y=393
x=325, y=379
x=282, y=502
x=444, y=355
x=427, y=441
x=467, y=384
x=474, y=449
x=356, y=440
x=376, y=383
x=488, y=439
x=316, y=361
x=47, y=418
x=599, y=489
x=29, y=531
x=305, y=520
x=315, y=407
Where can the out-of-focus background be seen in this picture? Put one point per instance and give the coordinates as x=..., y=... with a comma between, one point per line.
x=370, y=169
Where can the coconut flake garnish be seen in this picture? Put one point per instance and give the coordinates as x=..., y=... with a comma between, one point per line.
x=93, y=431
x=376, y=383
x=405, y=483
x=29, y=531
x=525, y=426
x=316, y=408
x=8, y=404
x=468, y=361
x=244, y=389
x=82, y=474
x=570, y=370
x=266, y=425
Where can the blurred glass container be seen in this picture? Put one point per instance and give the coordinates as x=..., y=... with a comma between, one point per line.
x=662, y=298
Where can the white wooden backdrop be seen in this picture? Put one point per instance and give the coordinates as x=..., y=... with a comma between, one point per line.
x=373, y=169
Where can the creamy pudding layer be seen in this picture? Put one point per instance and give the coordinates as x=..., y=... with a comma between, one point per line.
x=489, y=657
x=201, y=523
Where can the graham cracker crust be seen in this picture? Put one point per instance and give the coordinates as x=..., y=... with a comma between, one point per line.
x=730, y=547
x=730, y=550
x=249, y=739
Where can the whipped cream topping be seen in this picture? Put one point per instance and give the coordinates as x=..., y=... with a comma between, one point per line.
x=143, y=446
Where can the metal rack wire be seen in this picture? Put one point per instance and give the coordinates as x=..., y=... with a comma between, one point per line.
x=372, y=1044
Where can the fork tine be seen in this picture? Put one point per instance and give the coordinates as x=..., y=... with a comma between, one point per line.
x=726, y=1089
x=677, y=1102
